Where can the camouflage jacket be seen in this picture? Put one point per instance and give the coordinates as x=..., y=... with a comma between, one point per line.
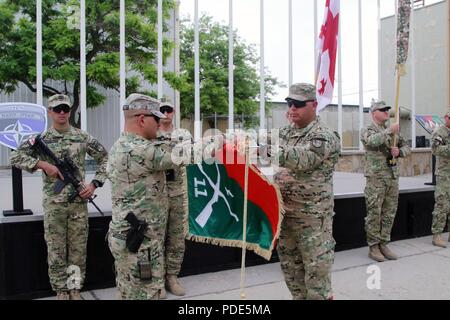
x=377, y=141
x=136, y=169
x=308, y=156
x=74, y=143
x=176, y=177
x=440, y=147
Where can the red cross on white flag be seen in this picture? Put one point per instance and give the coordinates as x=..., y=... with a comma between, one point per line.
x=327, y=48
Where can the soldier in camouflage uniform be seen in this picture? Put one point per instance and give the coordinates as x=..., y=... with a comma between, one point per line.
x=381, y=190
x=308, y=153
x=65, y=223
x=136, y=168
x=440, y=146
x=177, y=218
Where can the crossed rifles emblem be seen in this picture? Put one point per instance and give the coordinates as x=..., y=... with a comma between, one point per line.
x=205, y=214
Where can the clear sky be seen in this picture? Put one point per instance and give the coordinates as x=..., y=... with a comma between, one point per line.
x=246, y=21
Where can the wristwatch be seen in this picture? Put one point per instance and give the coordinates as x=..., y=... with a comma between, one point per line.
x=96, y=183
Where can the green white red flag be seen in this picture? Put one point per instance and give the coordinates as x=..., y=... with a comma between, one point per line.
x=216, y=204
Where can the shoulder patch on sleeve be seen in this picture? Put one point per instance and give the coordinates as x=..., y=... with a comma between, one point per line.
x=317, y=143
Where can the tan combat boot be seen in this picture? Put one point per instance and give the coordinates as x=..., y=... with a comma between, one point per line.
x=375, y=254
x=174, y=286
x=438, y=242
x=62, y=295
x=387, y=253
x=75, y=295
x=163, y=294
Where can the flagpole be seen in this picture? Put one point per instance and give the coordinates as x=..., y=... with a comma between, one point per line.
x=400, y=67
x=230, y=68
x=361, y=77
x=262, y=87
x=160, y=49
x=122, y=66
x=244, y=222
x=197, y=123
x=413, y=80
x=39, y=81
x=397, y=120
x=316, y=53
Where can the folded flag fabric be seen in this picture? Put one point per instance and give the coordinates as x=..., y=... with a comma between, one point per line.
x=216, y=204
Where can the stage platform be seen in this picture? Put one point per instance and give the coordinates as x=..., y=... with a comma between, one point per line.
x=23, y=268
x=346, y=185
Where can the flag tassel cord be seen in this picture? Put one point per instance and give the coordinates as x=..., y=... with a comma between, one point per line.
x=244, y=222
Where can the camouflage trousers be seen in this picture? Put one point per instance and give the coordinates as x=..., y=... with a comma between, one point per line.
x=381, y=205
x=306, y=252
x=126, y=263
x=175, y=234
x=66, y=233
x=441, y=212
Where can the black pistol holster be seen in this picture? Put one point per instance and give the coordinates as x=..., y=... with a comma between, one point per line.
x=136, y=234
x=170, y=175
x=391, y=161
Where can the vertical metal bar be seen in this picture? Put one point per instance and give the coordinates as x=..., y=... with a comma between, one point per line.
x=197, y=124
x=122, y=63
x=160, y=50
x=316, y=58
x=39, y=90
x=215, y=120
x=83, y=89
x=340, y=80
x=380, y=94
x=361, y=83
x=230, y=68
x=413, y=80
x=290, y=44
x=262, y=91
x=177, y=65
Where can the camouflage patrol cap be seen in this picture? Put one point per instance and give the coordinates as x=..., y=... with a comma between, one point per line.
x=377, y=105
x=137, y=101
x=58, y=99
x=302, y=92
x=164, y=103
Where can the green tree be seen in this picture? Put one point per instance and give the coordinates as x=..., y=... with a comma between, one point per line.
x=61, y=43
x=214, y=71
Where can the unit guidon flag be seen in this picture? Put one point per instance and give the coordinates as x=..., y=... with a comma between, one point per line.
x=216, y=204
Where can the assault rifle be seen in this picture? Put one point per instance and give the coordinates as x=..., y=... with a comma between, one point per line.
x=67, y=168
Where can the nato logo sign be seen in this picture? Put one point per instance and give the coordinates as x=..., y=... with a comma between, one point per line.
x=19, y=121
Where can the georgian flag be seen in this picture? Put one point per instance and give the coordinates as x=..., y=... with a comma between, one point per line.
x=327, y=48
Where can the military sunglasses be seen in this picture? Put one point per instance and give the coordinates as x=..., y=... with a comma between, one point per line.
x=384, y=109
x=165, y=109
x=297, y=103
x=62, y=107
x=148, y=115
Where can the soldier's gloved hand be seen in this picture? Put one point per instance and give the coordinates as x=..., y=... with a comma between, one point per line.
x=87, y=191
x=50, y=170
x=395, y=152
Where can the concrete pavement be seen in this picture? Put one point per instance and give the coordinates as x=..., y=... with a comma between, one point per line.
x=421, y=272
